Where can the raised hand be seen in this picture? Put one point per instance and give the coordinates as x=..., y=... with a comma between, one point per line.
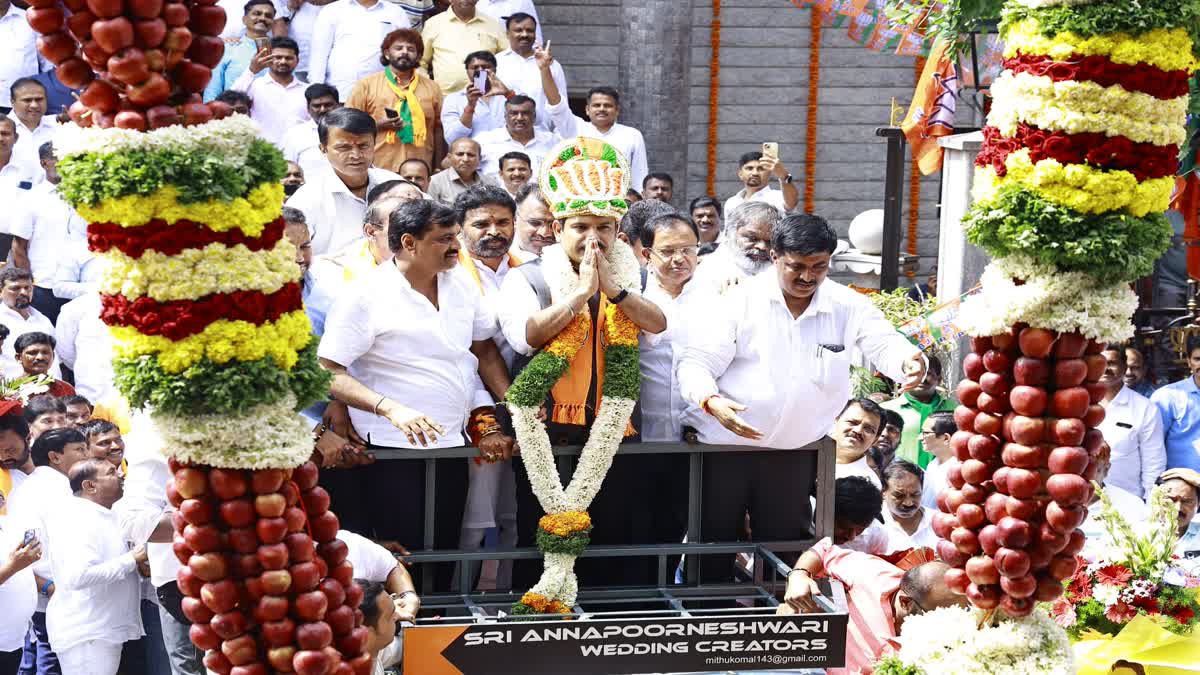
x=543, y=56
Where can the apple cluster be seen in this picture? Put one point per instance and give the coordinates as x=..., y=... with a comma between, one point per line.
x=1026, y=451
x=267, y=585
x=141, y=63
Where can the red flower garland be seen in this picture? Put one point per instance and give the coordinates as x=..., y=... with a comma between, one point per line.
x=1143, y=160
x=174, y=238
x=1147, y=79
x=179, y=319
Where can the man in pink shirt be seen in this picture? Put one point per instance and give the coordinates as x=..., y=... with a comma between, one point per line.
x=879, y=595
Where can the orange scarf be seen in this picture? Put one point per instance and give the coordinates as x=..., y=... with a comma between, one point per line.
x=570, y=393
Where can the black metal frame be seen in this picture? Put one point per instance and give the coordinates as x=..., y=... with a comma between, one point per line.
x=761, y=588
x=893, y=207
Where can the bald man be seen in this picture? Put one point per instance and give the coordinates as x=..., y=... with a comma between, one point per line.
x=879, y=595
x=462, y=175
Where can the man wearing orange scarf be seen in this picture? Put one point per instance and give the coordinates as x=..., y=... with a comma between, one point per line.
x=585, y=218
x=406, y=105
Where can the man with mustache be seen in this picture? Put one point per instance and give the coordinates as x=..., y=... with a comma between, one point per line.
x=15, y=461
x=755, y=171
x=745, y=251
x=768, y=365
x=518, y=68
x=463, y=174
x=258, y=17
x=535, y=222
x=19, y=315
x=451, y=36
x=518, y=135
x=406, y=105
x=35, y=353
x=408, y=344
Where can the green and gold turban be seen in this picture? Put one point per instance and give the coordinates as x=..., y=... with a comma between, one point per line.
x=585, y=177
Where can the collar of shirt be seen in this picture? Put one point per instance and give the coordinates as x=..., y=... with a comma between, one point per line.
x=820, y=303
x=452, y=17
x=5, y=310
x=14, y=13
x=510, y=54
x=1123, y=399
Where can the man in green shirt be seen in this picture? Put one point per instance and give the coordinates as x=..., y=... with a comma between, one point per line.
x=915, y=406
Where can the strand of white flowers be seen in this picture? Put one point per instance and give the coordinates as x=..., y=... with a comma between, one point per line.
x=1089, y=97
x=269, y=436
x=227, y=140
x=948, y=640
x=558, y=580
x=1048, y=298
x=538, y=456
x=608, y=430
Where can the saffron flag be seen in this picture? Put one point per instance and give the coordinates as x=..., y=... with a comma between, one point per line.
x=931, y=114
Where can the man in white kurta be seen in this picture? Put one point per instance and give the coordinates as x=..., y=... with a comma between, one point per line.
x=1133, y=428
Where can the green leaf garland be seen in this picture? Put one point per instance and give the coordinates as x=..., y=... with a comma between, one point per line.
x=622, y=373
x=573, y=544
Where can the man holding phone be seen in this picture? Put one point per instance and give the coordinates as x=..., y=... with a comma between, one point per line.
x=258, y=19
x=480, y=106
x=755, y=170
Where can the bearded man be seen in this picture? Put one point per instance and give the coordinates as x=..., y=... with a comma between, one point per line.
x=746, y=250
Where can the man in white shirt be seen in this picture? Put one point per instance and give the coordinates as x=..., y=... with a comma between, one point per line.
x=279, y=101
x=96, y=607
x=505, y=10
x=515, y=172
x=908, y=524
x=408, y=362
x=518, y=68
x=603, y=109
x=31, y=505
x=745, y=249
x=85, y=346
x=34, y=127
x=300, y=143
x=19, y=315
x=43, y=227
x=472, y=111
x=18, y=50
x=79, y=271
x=16, y=464
x=335, y=197
x=462, y=174
x=755, y=171
x=935, y=434
x=768, y=365
x=346, y=39
x=535, y=222
x=18, y=590
x=857, y=428
x=1132, y=427
x=519, y=134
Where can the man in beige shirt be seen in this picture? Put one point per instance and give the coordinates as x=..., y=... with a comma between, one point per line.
x=451, y=35
x=406, y=105
x=462, y=175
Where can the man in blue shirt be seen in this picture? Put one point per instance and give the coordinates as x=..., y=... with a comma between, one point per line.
x=258, y=19
x=1179, y=404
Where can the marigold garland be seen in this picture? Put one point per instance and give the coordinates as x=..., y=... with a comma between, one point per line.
x=1143, y=160
x=174, y=238
x=714, y=96
x=1103, y=71
x=1106, y=18
x=179, y=319
x=566, y=523
x=250, y=214
x=810, y=121
x=197, y=273
x=221, y=341
x=1167, y=49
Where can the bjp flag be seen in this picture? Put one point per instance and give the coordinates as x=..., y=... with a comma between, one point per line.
x=931, y=114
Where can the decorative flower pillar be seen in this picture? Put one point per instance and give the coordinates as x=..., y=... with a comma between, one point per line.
x=1075, y=172
x=211, y=341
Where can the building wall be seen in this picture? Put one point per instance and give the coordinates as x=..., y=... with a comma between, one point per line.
x=763, y=94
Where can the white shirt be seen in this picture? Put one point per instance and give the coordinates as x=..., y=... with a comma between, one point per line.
x=97, y=590
x=18, y=52
x=489, y=288
x=500, y=10
x=489, y=114
x=79, y=270
x=1127, y=504
x=16, y=179
x=28, y=141
x=662, y=402
x=498, y=142
x=30, y=506
x=522, y=75
x=85, y=346
x=144, y=501
x=18, y=326
x=1132, y=427
x=346, y=39
x=334, y=213
x=752, y=351
x=301, y=145
x=899, y=540
x=935, y=482
x=768, y=194
x=396, y=343
x=50, y=226
x=300, y=28
x=18, y=595
x=277, y=107
x=626, y=139
x=371, y=561
x=716, y=269
x=858, y=467
x=873, y=540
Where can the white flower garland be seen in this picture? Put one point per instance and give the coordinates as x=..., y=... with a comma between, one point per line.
x=269, y=436
x=1047, y=298
x=608, y=430
x=227, y=140
x=948, y=640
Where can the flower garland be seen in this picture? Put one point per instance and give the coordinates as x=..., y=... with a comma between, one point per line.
x=564, y=533
x=810, y=110
x=195, y=273
x=1016, y=289
x=221, y=341
x=1112, y=246
x=1103, y=71
x=1078, y=186
x=1115, y=16
x=1143, y=160
x=174, y=238
x=1087, y=97
x=182, y=318
x=250, y=214
x=1166, y=49
x=714, y=97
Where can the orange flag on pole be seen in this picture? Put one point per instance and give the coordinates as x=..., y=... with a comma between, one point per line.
x=932, y=111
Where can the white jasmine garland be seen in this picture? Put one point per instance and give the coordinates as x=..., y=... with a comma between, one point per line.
x=948, y=641
x=228, y=139
x=269, y=436
x=1047, y=298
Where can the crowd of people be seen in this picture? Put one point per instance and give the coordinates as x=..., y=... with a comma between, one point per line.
x=414, y=139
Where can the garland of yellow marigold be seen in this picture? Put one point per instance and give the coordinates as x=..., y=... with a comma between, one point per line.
x=714, y=95
x=810, y=124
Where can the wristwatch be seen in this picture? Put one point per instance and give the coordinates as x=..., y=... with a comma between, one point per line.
x=786, y=180
x=619, y=297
